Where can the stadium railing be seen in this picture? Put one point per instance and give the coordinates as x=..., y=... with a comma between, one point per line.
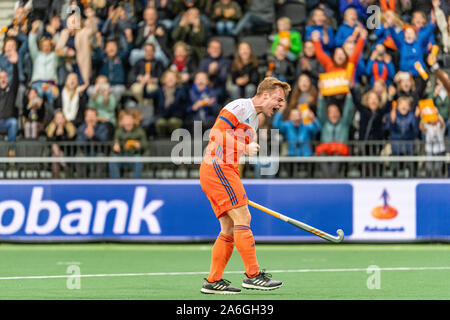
x=367, y=159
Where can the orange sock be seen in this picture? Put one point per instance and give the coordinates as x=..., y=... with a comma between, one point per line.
x=245, y=244
x=221, y=254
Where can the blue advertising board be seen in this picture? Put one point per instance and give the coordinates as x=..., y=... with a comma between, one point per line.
x=178, y=210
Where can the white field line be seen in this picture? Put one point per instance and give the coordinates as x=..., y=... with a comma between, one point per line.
x=226, y=272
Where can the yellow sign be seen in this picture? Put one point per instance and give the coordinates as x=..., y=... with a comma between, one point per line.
x=428, y=111
x=334, y=83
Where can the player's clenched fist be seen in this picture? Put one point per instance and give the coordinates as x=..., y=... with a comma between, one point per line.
x=251, y=149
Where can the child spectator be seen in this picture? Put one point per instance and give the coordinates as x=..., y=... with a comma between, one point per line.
x=59, y=130
x=412, y=49
x=298, y=128
x=183, y=62
x=319, y=22
x=217, y=67
x=434, y=144
x=380, y=66
x=280, y=67
x=202, y=101
x=226, y=13
x=309, y=64
x=291, y=40
x=45, y=62
x=171, y=102
x=8, y=94
x=129, y=140
x=147, y=72
x=34, y=115
x=406, y=87
x=441, y=99
x=244, y=73
x=73, y=99
x=402, y=125
x=104, y=102
x=419, y=21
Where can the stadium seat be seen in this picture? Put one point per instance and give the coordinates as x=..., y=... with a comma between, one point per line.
x=295, y=11
x=228, y=46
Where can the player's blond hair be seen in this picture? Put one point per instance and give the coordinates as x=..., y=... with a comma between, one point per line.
x=270, y=84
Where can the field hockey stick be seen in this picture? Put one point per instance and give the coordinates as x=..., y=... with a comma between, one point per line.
x=301, y=225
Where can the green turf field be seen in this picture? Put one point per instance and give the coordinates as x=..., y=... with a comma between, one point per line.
x=149, y=271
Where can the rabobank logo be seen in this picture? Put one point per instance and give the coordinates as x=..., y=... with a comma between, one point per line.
x=60, y=210
x=385, y=211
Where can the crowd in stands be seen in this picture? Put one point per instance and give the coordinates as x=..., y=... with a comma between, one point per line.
x=128, y=71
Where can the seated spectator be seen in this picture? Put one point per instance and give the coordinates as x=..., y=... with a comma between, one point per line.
x=150, y=31
x=104, y=102
x=441, y=99
x=147, y=72
x=73, y=99
x=309, y=64
x=303, y=93
x=59, y=130
x=225, y=14
x=402, y=124
x=244, y=73
x=8, y=93
x=202, y=101
x=380, y=66
x=381, y=90
x=52, y=29
x=33, y=115
x=92, y=129
x=347, y=29
x=299, y=128
x=74, y=47
x=191, y=30
x=180, y=7
x=184, y=62
x=319, y=22
x=112, y=67
x=260, y=13
x=129, y=140
x=290, y=39
x=434, y=132
x=217, y=67
x=335, y=132
x=45, y=62
x=412, y=49
x=443, y=23
x=171, y=102
x=280, y=67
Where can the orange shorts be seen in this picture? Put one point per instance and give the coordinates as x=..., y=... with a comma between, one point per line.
x=223, y=187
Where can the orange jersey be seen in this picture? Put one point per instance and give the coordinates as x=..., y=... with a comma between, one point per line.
x=235, y=127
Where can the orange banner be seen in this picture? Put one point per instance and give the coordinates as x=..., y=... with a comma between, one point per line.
x=334, y=83
x=428, y=111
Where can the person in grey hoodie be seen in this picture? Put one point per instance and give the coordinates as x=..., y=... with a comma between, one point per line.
x=259, y=13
